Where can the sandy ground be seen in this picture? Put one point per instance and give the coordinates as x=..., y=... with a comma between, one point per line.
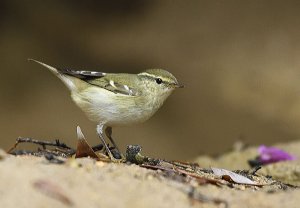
x=28, y=181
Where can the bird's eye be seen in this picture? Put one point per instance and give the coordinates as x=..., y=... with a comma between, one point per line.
x=158, y=81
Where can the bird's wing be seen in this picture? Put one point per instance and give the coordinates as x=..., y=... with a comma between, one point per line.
x=114, y=85
x=104, y=80
x=111, y=82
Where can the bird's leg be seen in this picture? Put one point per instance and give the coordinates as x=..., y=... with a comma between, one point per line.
x=100, y=134
x=108, y=132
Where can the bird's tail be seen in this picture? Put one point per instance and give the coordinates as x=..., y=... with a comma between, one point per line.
x=67, y=80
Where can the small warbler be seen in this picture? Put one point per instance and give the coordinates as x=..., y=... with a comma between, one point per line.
x=116, y=99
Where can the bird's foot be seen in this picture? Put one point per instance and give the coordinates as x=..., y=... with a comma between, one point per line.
x=115, y=160
x=114, y=155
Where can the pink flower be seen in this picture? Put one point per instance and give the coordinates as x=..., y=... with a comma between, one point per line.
x=272, y=154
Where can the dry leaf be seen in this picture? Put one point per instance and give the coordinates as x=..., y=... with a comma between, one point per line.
x=83, y=148
x=229, y=175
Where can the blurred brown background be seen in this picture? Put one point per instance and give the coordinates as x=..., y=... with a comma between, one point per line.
x=239, y=60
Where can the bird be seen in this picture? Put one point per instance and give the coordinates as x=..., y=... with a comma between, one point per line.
x=116, y=99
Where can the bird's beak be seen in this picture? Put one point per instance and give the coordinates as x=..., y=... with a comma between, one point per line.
x=177, y=85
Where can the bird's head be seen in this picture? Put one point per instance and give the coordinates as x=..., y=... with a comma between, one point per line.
x=159, y=81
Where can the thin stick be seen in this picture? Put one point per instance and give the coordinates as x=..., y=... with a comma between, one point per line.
x=67, y=150
x=56, y=143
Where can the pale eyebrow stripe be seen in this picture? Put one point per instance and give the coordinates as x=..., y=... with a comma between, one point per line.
x=151, y=76
x=147, y=75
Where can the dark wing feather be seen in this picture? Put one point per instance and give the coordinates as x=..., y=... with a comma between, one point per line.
x=84, y=75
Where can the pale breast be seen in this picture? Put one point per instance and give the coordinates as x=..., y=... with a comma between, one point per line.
x=113, y=109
